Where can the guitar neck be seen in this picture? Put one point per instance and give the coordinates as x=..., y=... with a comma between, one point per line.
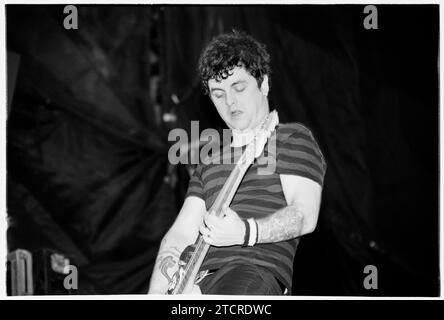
x=222, y=201
x=228, y=190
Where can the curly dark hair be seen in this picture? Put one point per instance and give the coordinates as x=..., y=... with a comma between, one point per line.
x=230, y=50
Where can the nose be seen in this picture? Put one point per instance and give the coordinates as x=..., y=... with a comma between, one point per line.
x=230, y=99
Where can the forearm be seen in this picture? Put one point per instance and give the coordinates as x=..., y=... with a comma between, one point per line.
x=286, y=223
x=167, y=260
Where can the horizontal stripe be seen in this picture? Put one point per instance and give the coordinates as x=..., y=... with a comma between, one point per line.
x=213, y=171
x=246, y=212
x=298, y=159
x=291, y=128
x=258, y=203
x=305, y=153
x=253, y=178
x=215, y=184
x=272, y=185
x=295, y=139
x=258, y=186
x=195, y=184
x=194, y=193
x=306, y=172
x=257, y=191
x=289, y=161
x=297, y=134
x=250, y=204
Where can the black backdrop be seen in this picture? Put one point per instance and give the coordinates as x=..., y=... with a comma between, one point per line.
x=87, y=168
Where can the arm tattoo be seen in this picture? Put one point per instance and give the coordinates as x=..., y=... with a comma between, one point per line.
x=282, y=225
x=168, y=260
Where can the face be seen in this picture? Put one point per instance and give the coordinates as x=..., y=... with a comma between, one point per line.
x=239, y=101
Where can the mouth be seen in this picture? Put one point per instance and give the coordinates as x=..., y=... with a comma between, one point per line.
x=236, y=113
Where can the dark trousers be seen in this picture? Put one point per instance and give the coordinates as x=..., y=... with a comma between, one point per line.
x=241, y=279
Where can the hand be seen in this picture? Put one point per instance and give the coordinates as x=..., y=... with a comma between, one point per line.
x=223, y=231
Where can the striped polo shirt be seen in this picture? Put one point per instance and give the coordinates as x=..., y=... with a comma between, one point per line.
x=294, y=151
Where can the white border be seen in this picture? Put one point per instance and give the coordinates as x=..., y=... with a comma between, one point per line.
x=3, y=115
x=3, y=215
x=218, y=2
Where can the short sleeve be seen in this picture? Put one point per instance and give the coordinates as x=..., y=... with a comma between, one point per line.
x=298, y=153
x=195, y=186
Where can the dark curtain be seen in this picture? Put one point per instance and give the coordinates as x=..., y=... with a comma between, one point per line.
x=87, y=161
x=88, y=172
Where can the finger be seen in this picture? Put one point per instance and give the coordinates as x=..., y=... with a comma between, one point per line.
x=231, y=213
x=224, y=212
x=228, y=212
x=204, y=230
x=209, y=214
x=207, y=217
x=207, y=223
x=212, y=220
x=207, y=239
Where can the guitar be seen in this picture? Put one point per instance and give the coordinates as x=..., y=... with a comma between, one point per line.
x=184, y=279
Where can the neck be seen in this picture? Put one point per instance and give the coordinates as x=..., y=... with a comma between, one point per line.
x=244, y=137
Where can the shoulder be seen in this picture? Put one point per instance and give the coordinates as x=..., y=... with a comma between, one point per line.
x=298, y=152
x=296, y=134
x=285, y=131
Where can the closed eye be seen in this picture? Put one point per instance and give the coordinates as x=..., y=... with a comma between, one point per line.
x=240, y=87
x=218, y=94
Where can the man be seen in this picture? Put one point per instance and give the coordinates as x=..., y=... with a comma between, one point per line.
x=280, y=207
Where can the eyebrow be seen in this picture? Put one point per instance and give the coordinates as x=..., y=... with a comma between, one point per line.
x=215, y=89
x=233, y=84
x=238, y=82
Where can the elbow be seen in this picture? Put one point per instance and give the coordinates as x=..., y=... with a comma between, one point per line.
x=310, y=221
x=309, y=228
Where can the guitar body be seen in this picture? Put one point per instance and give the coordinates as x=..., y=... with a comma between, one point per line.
x=188, y=287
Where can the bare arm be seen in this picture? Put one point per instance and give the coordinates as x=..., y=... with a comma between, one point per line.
x=299, y=217
x=182, y=233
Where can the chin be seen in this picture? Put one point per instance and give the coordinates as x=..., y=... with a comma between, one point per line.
x=239, y=125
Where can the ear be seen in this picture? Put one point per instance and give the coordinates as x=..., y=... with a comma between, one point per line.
x=264, y=86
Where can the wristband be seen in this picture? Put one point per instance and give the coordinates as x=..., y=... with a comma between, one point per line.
x=247, y=233
x=257, y=231
x=253, y=232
